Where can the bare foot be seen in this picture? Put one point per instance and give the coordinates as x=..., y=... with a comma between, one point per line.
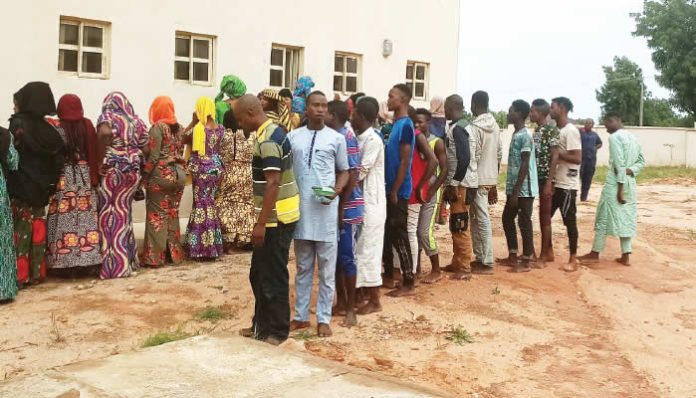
x=521, y=267
x=449, y=268
x=389, y=283
x=369, y=308
x=507, y=262
x=550, y=257
x=324, y=330
x=623, y=261
x=297, y=325
x=338, y=311
x=480, y=269
x=539, y=264
x=432, y=277
x=589, y=258
x=350, y=321
x=461, y=276
x=570, y=267
x=402, y=291
x=247, y=332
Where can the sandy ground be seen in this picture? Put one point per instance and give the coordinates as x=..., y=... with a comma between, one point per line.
x=608, y=331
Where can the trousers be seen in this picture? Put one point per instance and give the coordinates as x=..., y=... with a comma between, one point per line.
x=396, y=238
x=587, y=172
x=325, y=253
x=523, y=213
x=462, y=251
x=481, y=228
x=565, y=201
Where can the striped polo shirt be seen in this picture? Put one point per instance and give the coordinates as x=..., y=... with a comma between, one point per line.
x=272, y=151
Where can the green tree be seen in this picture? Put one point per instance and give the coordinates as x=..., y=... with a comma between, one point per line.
x=668, y=25
x=621, y=90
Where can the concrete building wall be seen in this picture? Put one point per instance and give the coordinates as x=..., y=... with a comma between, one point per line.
x=142, y=38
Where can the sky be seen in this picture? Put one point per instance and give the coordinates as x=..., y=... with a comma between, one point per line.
x=548, y=48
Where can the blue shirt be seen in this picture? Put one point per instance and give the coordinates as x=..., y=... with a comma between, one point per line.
x=317, y=155
x=355, y=208
x=522, y=142
x=402, y=132
x=590, y=140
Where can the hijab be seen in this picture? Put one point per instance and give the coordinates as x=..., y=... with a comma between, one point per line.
x=281, y=115
x=205, y=108
x=231, y=86
x=437, y=107
x=303, y=88
x=117, y=111
x=162, y=111
x=80, y=135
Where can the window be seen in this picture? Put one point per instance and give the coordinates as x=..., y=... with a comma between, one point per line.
x=286, y=66
x=193, y=58
x=83, y=47
x=417, y=79
x=346, y=73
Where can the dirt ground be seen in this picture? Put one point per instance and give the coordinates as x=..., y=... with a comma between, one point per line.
x=608, y=331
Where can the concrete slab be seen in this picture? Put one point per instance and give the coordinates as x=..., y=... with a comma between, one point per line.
x=209, y=366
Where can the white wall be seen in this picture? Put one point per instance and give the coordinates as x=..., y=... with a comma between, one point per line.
x=662, y=146
x=142, y=44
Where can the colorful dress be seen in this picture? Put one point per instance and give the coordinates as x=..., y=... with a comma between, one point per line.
x=8, y=257
x=123, y=159
x=234, y=199
x=165, y=177
x=203, y=234
x=73, y=233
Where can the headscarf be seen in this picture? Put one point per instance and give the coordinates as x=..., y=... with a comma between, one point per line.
x=162, y=111
x=384, y=113
x=40, y=146
x=117, y=106
x=302, y=89
x=80, y=135
x=234, y=88
x=281, y=115
x=437, y=107
x=205, y=108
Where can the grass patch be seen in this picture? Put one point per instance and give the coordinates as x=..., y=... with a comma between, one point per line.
x=214, y=314
x=495, y=291
x=160, y=338
x=459, y=336
x=304, y=335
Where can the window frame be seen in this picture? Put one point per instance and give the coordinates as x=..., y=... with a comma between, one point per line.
x=345, y=74
x=297, y=58
x=104, y=50
x=414, y=79
x=191, y=59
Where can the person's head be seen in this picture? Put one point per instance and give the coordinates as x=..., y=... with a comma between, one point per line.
x=399, y=97
x=454, y=107
x=560, y=107
x=286, y=95
x=249, y=113
x=364, y=114
x=479, y=103
x=336, y=115
x=518, y=112
x=355, y=97
x=540, y=111
x=589, y=125
x=423, y=117
x=316, y=108
x=412, y=114
x=613, y=122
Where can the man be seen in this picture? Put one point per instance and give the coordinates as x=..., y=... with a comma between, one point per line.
x=371, y=176
x=276, y=201
x=521, y=189
x=458, y=165
x=431, y=195
x=591, y=143
x=567, y=175
x=399, y=154
x=350, y=216
x=616, y=211
x=321, y=166
x=482, y=180
x=546, y=150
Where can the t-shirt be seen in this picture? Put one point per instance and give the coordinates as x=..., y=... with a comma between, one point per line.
x=272, y=151
x=418, y=169
x=545, y=138
x=522, y=142
x=402, y=132
x=590, y=140
x=355, y=208
x=568, y=174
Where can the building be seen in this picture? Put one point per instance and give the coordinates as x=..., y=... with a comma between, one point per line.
x=147, y=48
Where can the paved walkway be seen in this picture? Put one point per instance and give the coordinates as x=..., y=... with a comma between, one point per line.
x=207, y=366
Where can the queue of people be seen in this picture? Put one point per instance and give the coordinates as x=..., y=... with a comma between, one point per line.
x=358, y=186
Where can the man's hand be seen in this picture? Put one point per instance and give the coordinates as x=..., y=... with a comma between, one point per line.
x=629, y=172
x=620, y=197
x=547, y=190
x=450, y=194
x=393, y=197
x=431, y=194
x=419, y=196
x=493, y=196
x=258, y=235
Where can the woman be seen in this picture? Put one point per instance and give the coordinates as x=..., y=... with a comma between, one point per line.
x=203, y=234
x=40, y=149
x=276, y=109
x=303, y=88
x=286, y=95
x=437, y=121
x=235, y=200
x=164, y=175
x=122, y=137
x=73, y=233
x=234, y=88
x=9, y=160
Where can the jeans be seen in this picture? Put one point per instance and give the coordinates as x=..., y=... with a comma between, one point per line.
x=396, y=238
x=270, y=283
x=306, y=251
x=459, y=227
x=481, y=229
x=564, y=200
x=587, y=172
x=523, y=212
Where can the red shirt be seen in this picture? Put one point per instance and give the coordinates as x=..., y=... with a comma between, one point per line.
x=418, y=169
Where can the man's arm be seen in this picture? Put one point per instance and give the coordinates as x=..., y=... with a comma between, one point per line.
x=405, y=154
x=574, y=156
x=441, y=155
x=424, y=149
x=461, y=138
x=370, y=153
x=599, y=142
x=522, y=175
